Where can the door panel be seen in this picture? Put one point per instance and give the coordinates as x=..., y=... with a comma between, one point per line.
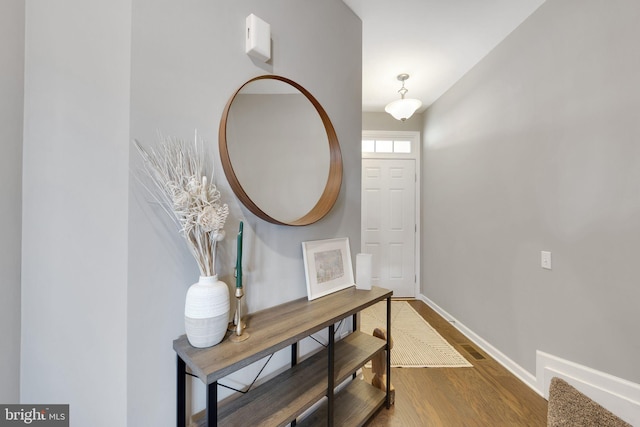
x=388, y=222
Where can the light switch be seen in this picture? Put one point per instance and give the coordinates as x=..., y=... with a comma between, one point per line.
x=545, y=259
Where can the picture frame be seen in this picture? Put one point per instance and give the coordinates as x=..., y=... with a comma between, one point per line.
x=327, y=266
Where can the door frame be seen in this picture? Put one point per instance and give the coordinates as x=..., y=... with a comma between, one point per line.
x=415, y=154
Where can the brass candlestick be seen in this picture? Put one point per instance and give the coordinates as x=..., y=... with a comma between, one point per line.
x=239, y=333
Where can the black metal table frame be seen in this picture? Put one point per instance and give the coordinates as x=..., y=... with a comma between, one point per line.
x=212, y=389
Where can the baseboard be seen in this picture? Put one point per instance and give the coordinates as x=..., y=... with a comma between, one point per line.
x=619, y=396
x=500, y=357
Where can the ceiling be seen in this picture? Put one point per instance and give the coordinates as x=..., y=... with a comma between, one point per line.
x=434, y=41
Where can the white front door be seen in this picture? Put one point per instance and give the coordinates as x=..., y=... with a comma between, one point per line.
x=389, y=222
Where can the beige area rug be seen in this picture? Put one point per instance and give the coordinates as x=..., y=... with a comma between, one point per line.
x=415, y=343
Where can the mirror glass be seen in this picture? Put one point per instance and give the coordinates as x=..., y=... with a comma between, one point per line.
x=279, y=151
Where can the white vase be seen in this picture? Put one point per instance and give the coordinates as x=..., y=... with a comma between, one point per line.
x=206, y=312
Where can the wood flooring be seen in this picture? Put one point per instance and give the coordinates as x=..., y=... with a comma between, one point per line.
x=487, y=395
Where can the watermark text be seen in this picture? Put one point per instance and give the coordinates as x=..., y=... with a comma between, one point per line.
x=34, y=415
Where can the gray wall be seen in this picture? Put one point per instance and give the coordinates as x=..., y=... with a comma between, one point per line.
x=537, y=149
x=75, y=193
x=11, y=106
x=384, y=121
x=104, y=283
x=186, y=63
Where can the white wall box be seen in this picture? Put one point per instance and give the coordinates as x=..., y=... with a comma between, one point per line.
x=258, y=38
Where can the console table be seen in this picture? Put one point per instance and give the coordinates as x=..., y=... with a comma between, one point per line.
x=283, y=398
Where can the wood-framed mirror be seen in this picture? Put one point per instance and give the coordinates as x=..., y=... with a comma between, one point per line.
x=280, y=152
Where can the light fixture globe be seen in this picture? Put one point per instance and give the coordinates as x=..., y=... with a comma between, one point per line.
x=403, y=108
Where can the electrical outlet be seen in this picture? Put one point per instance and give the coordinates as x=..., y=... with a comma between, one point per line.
x=545, y=260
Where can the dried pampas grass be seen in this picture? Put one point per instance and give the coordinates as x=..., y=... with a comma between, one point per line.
x=178, y=172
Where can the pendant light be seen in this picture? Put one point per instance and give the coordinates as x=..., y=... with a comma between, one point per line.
x=403, y=108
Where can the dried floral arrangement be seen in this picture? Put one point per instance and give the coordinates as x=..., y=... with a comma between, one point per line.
x=178, y=171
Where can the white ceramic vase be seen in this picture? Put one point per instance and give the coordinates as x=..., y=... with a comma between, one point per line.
x=206, y=312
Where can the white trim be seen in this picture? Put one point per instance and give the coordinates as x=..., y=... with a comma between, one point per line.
x=416, y=150
x=500, y=357
x=618, y=395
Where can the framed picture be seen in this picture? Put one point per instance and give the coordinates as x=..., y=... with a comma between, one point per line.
x=327, y=266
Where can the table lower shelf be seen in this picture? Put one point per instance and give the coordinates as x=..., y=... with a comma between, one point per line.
x=286, y=396
x=354, y=405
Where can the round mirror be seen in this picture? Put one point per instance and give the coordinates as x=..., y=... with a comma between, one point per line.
x=280, y=152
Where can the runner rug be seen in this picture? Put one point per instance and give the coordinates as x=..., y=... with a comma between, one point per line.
x=415, y=343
